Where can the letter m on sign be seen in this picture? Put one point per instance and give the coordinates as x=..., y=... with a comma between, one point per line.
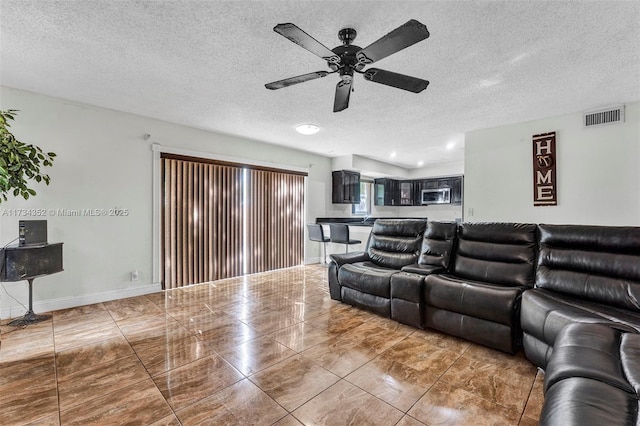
x=544, y=170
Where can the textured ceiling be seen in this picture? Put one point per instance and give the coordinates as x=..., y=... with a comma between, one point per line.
x=204, y=64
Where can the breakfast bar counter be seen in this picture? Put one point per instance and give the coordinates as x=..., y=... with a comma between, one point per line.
x=357, y=221
x=359, y=229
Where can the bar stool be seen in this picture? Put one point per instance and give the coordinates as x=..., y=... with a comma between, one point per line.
x=340, y=235
x=316, y=233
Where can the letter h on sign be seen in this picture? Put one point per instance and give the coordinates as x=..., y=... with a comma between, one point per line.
x=544, y=169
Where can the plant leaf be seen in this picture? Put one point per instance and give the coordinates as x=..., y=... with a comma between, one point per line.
x=19, y=162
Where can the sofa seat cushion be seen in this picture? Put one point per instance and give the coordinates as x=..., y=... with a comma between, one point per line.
x=545, y=313
x=367, y=277
x=489, y=302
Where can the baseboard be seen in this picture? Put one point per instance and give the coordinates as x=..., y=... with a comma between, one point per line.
x=312, y=260
x=87, y=299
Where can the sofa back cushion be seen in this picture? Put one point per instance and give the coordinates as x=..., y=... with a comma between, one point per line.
x=497, y=253
x=394, y=243
x=437, y=244
x=596, y=263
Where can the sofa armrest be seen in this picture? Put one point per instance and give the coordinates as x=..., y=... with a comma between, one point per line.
x=337, y=261
x=423, y=269
x=345, y=258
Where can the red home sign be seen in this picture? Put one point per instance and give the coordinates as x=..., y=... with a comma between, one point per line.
x=544, y=169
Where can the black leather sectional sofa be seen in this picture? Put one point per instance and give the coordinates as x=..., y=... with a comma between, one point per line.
x=363, y=279
x=558, y=291
x=585, y=274
x=593, y=377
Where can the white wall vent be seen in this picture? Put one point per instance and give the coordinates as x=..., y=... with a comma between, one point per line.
x=610, y=115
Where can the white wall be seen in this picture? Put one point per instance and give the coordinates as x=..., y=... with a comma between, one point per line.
x=104, y=162
x=437, y=170
x=375, y=168
x=598, y=172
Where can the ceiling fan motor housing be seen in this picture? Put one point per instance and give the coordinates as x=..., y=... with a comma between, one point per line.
x=347, y=54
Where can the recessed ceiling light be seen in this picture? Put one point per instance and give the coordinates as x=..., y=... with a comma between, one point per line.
x=450, y=145
x=420, y=163
x=307, y=129
x=393, y=154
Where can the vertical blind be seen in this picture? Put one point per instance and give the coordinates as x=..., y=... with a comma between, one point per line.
x=222, y=220
x=275, y=235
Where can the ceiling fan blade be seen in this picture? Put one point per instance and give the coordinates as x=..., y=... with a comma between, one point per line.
x=400, y=81
x=304, y=40
x=343, y=91
x=295, y=80
x=404, y=36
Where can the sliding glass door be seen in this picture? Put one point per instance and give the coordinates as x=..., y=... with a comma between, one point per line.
x=222, y=220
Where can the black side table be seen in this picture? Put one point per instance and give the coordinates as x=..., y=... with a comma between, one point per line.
x=28, y=263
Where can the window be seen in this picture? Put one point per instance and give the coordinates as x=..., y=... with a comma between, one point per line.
x=364, y=208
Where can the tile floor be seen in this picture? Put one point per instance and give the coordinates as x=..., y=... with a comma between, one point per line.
x=270, y=349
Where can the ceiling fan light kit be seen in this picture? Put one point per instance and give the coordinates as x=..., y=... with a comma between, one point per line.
x=348, y=59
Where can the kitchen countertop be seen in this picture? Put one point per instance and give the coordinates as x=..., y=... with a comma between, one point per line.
x=357, y=221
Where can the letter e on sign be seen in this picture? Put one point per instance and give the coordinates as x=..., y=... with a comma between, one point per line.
x=544, y=169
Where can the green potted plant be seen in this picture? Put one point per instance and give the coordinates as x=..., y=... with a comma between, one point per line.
x=19, y=162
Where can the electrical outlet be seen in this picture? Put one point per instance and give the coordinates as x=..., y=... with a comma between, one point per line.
x=134, y=275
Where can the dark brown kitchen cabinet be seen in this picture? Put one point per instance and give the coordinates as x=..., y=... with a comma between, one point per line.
x=444, y=183
x=456, y=190
x=387, y=192
x=419, y=186
x=430, y=184
x=346, y=187
x=407, y=193
x=453, y=182
x=393, y=192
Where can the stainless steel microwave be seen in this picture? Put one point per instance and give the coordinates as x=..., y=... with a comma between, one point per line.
x=436, y=196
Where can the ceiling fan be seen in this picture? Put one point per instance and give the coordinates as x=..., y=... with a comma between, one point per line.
x=349, y=58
